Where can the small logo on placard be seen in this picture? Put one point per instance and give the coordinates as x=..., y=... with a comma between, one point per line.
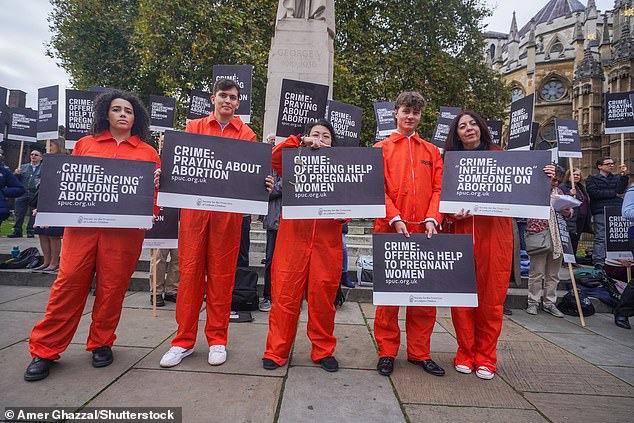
x=320, y=212
x=199, y=201
x=80, y=219
x=411, y=299
x=476, y=208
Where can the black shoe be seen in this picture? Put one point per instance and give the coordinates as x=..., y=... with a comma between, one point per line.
x=14, y=235
x=430, y=367
x=269, y=364
x=385, y=366
x=329, y=364
x=37, y=369
x=102, y=357
x=622, y=322
x=170, y=297
x=507, y=311
x=159, y=300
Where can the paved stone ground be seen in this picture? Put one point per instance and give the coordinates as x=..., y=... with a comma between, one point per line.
x=550, y=370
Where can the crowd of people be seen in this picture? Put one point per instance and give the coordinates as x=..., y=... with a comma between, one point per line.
x=307, y=258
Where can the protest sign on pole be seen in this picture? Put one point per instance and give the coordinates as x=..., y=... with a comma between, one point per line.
x=242, y=75
x=205, y=172
x=520, y=129
x=618, y=117
x=22, y=125
x=333, y=183
x=162, y=113
x=496, y=183
x=566, y=242
x=568, y=141
x=48, y=113
x=385, y=121
x=82, y=191
x=441, y=131
x=79, y=115
x=495, y=129
x=164, y=232
x=300, y=103
x=346, y=121
x=616, y=240
x=418, y=271
x=199, y=105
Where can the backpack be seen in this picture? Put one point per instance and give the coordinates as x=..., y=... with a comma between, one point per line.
x=590, y=278
x=245, y=291
x=568, y=305
x=596, y=283
x=27, y=259
x=365, y=265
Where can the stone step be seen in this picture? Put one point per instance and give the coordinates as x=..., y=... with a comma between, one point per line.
x=363, y=239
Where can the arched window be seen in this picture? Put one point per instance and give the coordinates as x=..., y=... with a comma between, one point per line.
x=557, y=49
x=492, y=52
x=516, y=93
x=547, y=138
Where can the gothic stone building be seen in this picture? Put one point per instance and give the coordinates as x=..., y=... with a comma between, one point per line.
x=570, y=55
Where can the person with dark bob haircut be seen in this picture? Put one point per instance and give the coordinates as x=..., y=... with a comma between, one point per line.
x=141, y=125
x=110, y=254
x=308, y=258
x=454, y=143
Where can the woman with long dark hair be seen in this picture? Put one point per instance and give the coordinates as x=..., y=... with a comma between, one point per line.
x=308, y=258
x=478, y=329
x=120, y=127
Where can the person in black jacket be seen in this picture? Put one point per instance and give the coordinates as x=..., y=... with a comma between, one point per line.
x=10, y=186
x=604, y=189
x=581, y=223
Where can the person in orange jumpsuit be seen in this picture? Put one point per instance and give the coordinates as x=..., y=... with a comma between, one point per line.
x=308, y=258
x=208, y=246
x=413, y=177
x=478, y=328
x=120, y=125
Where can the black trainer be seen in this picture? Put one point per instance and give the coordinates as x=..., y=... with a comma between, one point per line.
x=102, y=357
x=159, y=300
x=269, y=364
x=37, y=369
x=170, y=297
x=429, y=366
x=329, y=364
x=385, y=366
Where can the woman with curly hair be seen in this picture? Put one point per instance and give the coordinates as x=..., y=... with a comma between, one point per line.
x=120, y=127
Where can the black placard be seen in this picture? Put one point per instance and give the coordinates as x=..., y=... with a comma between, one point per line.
x=520, y=127
x=441, y=131
x=48, y=113
x=333, y=183
x=617, y=115
x=86, y=191
x=213, y=173
x=3, y=96
x=568, y=142
x=22, y=125
x=241, y=75
x=162, y=112
x=79, y=115
x=418, y=271
x=616, y=239
x=199, y=105
x=385, y=121
x=566, y=243
x=4, y=120
x=495, y=129
x=300, y=103
x=164, y=232
x=496, y=183
x=346, y=121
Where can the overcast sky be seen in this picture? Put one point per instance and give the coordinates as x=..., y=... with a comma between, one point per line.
x=24, y=32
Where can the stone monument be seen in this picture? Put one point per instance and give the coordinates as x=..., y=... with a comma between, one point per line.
x=301, y=49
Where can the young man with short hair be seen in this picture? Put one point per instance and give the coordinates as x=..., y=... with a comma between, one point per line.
x=413, y=177
x=208, y=246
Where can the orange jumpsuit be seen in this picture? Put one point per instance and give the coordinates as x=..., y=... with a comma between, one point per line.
x=478, y=329
x=308, y=257
x=413, y=178
x=110, y=253
x=208, y=246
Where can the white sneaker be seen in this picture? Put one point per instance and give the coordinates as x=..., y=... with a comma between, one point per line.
x=532, y=309
x=552, y=309
x=174, y=356
x=217, y=355
x=484, y=373
x=461, y=368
